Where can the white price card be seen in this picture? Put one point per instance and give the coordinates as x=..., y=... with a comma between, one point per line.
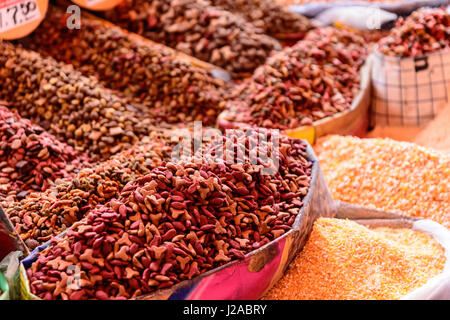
x=18, y=13
x=20, y=17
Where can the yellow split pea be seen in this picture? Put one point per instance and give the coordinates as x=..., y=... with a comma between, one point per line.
x=345, y=260
x=389, y=175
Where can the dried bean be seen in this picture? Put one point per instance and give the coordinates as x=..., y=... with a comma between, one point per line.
x=268, y=16
x=74, y=108
x=68, y=201
x=171, y=89
x=425, y=30
x=316, y=78
x=198, y=29
x=32, y=159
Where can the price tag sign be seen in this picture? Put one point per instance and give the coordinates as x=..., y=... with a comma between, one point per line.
x=97, y=5
x=18, y=18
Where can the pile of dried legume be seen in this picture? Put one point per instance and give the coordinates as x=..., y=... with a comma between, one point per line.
x=40, y=216
x=344, y=260
x=198, y=29
x=268, y=16
x=181, y=220
x=316, y=78
x=393, y=176
x=172, y=90
x=30, y=158
x=74, y=108
x=425, y=30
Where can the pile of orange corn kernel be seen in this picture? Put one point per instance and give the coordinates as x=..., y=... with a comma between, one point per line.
x=344, y=260
x=385, y=174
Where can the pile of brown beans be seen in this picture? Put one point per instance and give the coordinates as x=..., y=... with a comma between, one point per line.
x=198, y=29
x=316, y=78
x=30, y=158
x=76, y=109
x=179, y=221
x=40, y=216
x=268, y=16
x=171, y=89
x=425, y=30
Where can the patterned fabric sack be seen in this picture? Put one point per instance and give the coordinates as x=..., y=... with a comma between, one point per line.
x=409, y=91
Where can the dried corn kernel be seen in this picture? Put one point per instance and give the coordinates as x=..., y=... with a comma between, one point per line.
x=345, y=260
x=385, y=174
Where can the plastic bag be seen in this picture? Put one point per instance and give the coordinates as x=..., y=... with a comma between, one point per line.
x=9, y=268
x=405, y=7
x=361, y=18
x=438, y=288
x=4, y=288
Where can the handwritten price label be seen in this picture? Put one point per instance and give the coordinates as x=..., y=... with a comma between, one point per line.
x=18, y=14
x=20, y=17
x=98, y=5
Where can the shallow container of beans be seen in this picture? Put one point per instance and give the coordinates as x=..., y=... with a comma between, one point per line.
x=246, y=278
x=353, y=121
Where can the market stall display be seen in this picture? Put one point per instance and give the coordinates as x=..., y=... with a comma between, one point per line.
x=345, y=260
x=112, y=187
x=76, y=109
x=393, y=176
x=198, y=29
x=208, y=215
x=30, y=158
x=171, y=89
x=316, y=78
